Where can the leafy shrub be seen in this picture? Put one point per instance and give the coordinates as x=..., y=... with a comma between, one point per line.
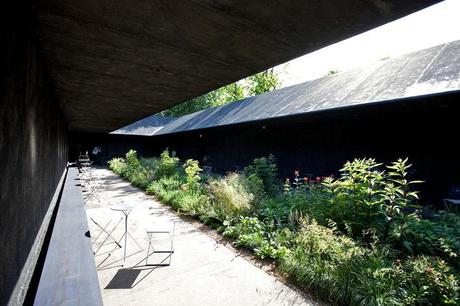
x=440, y=236
x=265, y=168
x=229, y=196
x=323, y=262
x=117, y=165
x=142, y=177
x=192, y=171
x=341, y=271
x=166, y=188
x=132, y=165
x=151, y=162
x=253, y=234
x=192, y=201
x=168, y=165
x=255, y=186
x=429, y=281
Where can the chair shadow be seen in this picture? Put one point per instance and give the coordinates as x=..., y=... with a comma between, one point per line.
x=123, y=279
x=126, y=278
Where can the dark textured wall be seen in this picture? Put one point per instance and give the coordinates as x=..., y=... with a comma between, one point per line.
x=423, y=129
x=33, y=143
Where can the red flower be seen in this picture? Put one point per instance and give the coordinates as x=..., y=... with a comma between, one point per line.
x=318, y=178
x=305, y=179
x=296, y=173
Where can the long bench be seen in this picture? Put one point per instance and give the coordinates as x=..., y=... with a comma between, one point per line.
x=69, y=274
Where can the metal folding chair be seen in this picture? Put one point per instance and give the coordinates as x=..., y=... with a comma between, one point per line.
x=85, y=172
x=93, y=187
x=108, y=235
x=161, y=229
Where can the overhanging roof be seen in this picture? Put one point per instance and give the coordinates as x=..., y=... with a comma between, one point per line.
x=116, y=61
x=428, y=71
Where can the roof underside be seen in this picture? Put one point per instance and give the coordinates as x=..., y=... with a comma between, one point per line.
x=114, y=62
x=428, y=71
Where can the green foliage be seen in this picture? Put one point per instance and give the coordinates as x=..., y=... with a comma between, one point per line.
x=365, y=197
x=117, y=165
x=256, y=84
x=341, y=271
x=429, y=281
x=262, y=82
x=192, y=171
x=151, y=163
x=265, y=168
x=168, y=165
x=355, y=240
x=229, y=196
x=253, y=234
x=439, y=236
x=142, y=177
x=166, y=188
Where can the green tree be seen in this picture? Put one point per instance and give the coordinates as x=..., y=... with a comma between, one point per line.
x=265, y=81
x=254, y=85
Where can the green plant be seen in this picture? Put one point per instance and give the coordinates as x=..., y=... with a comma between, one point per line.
x=359, y=192
x=142, y=177
x=429, y=281
x=370, y=245
x=229, y=196
x=397, y=193
x=265, y=168
x=192, y=171
x=165, y=188
x=132, y=165
x=168, y=165
x=151, y=162
x=254, y=234
x=192, y=202
x=439, y=236
x=117, y=165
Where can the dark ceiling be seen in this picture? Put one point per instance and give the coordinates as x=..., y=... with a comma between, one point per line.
x=117, y=61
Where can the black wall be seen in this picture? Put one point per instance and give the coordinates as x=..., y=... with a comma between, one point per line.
x=424, y=129
x=33, y=142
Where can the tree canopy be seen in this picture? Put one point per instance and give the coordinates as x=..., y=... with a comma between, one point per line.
x=253, y=85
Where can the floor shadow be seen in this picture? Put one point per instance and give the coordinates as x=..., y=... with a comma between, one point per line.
x=123, y=279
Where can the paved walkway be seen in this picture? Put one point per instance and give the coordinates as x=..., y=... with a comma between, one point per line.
x=202, y=271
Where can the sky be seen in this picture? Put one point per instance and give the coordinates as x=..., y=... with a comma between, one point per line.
x=432, y=26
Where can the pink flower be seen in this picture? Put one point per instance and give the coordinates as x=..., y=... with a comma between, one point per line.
x=296, y=173
x=318, y=178
x=305, y=179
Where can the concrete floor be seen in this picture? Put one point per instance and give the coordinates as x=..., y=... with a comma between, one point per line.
x=202, y=271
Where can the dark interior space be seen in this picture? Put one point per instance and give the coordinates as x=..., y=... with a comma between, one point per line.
x=33, y=144
x=424, y=129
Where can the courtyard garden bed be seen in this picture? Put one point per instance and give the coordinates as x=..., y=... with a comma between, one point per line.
x=357, y=239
